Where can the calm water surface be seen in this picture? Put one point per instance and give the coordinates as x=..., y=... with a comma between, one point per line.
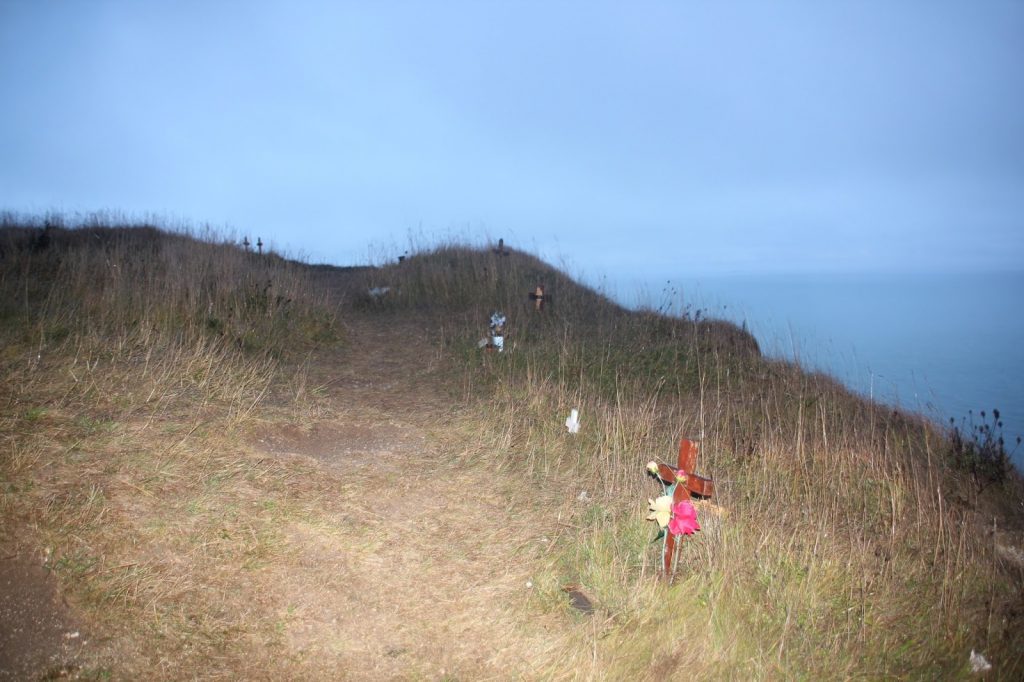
x=942, y=345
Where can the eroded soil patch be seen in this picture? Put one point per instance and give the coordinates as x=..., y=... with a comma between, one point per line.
x=340, y=443
x=38, y=633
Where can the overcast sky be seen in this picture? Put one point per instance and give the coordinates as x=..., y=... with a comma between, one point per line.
x=630, y=137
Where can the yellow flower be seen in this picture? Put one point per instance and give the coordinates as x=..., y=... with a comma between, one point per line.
x=661, y=510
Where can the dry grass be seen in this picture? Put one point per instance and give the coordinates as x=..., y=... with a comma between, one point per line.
x=850, y=544
x=133, y=361
x=225, y=490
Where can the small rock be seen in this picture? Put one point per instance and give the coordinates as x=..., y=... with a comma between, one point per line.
x=579, y=601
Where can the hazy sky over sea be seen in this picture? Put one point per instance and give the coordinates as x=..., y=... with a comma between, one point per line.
x=642, y=136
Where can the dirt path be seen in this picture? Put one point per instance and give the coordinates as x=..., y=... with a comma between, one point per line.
x=430, y=572
x=410, y=563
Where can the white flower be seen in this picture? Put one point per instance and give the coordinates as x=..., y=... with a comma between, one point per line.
x=661, y=510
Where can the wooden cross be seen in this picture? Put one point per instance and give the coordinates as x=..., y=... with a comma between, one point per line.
x=538, y=297
x=683, y=482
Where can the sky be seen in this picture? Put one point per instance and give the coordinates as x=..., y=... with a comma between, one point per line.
x=618, y=138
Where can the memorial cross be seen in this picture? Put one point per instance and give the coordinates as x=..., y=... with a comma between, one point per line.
x=539, y=298
x=681, y=482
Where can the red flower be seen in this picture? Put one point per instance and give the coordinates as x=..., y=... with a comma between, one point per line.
x=684, y=519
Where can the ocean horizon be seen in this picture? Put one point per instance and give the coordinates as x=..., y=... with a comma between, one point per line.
x=946, y=346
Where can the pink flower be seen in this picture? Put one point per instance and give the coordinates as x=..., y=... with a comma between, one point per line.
x=684, y=519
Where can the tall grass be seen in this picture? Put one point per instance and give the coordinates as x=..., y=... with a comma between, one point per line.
x=844, y=540
x=190, y=315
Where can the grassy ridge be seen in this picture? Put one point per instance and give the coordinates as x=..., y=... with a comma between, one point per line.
x=114, y=281
x=196, y=316
x=845, y=540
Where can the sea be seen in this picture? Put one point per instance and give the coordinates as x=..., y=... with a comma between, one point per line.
x=948, y=346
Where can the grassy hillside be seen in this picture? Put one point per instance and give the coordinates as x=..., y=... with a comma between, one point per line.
x=852, y=539
x=845, y=539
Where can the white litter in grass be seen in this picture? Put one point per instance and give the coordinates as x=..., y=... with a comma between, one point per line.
x=573, y=422
x=583, y=496
x=378, y=292
x=979, y=664
x=497, y=325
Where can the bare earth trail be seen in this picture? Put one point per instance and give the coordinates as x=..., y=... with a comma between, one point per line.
x=427, y=573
